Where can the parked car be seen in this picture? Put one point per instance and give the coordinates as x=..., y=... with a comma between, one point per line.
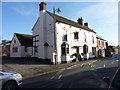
x=9, y=80
x=114, y=84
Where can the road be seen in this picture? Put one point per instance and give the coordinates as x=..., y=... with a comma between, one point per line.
x=87, y=75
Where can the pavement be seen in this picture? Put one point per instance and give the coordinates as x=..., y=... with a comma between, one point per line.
x=33, y=68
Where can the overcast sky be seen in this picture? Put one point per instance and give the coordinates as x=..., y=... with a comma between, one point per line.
x=102, y=17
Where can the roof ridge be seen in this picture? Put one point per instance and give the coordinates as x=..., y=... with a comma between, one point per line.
x=23, y=34
x=77, y=24
x=25, y=39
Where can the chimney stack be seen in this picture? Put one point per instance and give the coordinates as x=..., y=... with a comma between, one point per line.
x=80, y=21
x=42, y=6
x=86, y=24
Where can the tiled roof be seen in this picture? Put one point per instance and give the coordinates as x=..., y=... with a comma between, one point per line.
x=25, y=39
x=100, y=38
x=69, y=22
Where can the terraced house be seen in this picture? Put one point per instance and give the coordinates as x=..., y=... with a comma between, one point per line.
x=101, y=49
x=60, y=39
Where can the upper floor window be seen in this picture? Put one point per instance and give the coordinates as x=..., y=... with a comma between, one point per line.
x=25, y=49
x=103, y=43
x=99, y=42
x=65, y=38
x=85, y=38
x=93, y=39
x=76, y=35
x=14, y=41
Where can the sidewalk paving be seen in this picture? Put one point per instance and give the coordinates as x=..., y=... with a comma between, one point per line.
x=33, y=69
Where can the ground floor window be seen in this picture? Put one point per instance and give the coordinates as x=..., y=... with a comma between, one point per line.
x=85, y=49
x=93, y=50
x=25, y=49
x=36, y=49
x=64, y=49
x=100, y=52
x=15, y=49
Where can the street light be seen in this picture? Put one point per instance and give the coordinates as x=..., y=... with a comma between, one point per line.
x=55, y=46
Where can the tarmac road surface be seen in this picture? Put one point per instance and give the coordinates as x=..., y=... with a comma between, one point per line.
x=87, y=75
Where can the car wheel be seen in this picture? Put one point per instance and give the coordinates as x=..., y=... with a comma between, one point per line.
x=10, y=85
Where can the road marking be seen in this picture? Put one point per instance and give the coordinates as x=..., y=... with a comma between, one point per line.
x=44, y=73
x=90, y=63
x=81, y=65
x=52, y=77
x=92, y=69
x=94, y=61
x=112, y=62
x=69, y=68
x=59, y=76
x=92, y=66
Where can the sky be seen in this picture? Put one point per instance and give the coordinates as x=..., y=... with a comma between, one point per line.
x=102, y=17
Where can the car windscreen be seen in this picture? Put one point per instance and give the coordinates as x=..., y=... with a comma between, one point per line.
x=116, y=81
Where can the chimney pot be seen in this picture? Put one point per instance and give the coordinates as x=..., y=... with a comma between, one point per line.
x=86, y=24
x=42, y=6
x=80, y=21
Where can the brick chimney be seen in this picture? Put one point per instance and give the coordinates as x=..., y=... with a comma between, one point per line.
x=42, y=6
x=86, y=24
x=80, y=21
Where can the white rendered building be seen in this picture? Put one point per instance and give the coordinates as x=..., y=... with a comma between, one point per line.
x=21, y=45
x=58, y=39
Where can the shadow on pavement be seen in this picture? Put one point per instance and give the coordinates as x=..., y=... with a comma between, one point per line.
x=29, y=61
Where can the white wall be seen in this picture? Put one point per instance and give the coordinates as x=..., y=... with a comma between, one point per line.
x=21, y=49
x=17, y=44
x=63, y=29
x=44, y=28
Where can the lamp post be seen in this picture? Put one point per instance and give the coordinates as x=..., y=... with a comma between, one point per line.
x=55, y=46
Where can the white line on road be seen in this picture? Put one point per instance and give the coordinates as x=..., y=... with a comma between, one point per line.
x=92, y=66
x=52, y=77
x=104, y=65
x=59, y=76
x=89, y=63
x=112, y=62
x=81, y=65
x=92, y=69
